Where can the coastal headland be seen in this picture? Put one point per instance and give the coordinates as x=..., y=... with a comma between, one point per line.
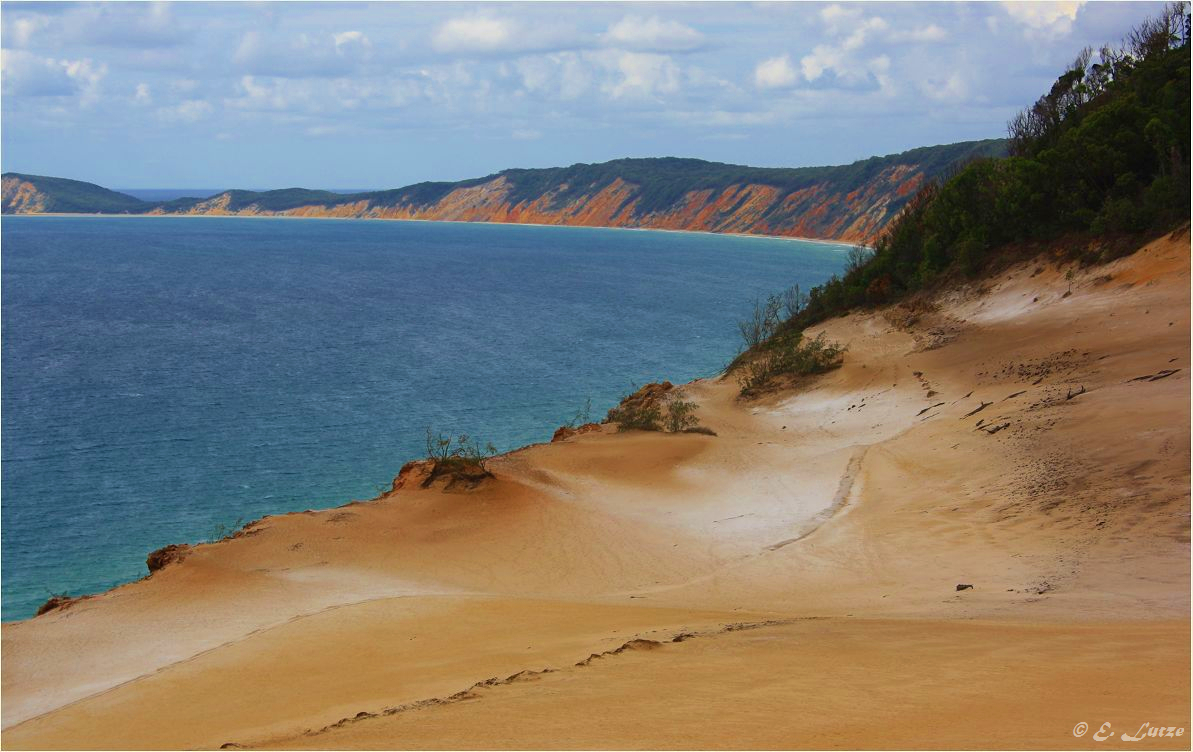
x=848, y=203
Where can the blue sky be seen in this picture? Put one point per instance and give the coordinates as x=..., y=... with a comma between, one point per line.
x=362, y=95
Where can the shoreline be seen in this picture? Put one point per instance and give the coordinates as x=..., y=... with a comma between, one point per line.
x=833, y=523
x=818, y=241
x=345, y=502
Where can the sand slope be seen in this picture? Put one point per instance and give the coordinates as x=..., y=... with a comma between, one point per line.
x=1031, y=443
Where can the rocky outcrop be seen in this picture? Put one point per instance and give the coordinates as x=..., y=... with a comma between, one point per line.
x=648, y=397
x=566, y=432
x=60, y=603
x=166, y=555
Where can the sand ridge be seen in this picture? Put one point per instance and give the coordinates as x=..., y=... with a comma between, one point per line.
x=1029, y=442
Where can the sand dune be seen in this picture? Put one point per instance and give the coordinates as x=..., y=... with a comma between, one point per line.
x=790, y=582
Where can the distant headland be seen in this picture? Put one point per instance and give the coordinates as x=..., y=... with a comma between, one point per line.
x=850, y=203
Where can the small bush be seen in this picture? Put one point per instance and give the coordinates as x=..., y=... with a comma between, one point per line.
x=637, y=417
x=641, y=410
x=221, y=531
x=681, y=415
x=793, y=358
x=448, y=453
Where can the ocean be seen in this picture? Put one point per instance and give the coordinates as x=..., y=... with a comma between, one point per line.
x=166, y=378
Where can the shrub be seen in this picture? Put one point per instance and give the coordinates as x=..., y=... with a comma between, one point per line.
x=221, y=531
x=454, y=454
x=794, y=358
x=637, y=417
x=641, y=410
x=681, y=415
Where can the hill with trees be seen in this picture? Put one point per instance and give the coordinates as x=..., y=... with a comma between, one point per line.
x=1099, y=161
x=851, y=202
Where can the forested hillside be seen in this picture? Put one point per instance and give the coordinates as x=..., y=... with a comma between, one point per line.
x=853, y=202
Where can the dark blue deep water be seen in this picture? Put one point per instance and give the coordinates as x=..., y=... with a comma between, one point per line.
x=163, y=377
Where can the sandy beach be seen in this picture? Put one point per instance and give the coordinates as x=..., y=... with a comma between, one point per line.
x=792, y=582
x=281, y=215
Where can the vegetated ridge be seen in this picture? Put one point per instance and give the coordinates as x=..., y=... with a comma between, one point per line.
x=852, y=202
x=1099, y=162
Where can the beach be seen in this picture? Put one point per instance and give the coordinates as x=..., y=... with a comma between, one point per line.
x=974, y=533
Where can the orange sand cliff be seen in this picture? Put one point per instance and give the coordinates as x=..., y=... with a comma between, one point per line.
x=813, y=212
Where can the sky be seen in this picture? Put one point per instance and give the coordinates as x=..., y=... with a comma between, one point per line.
x=379, y=95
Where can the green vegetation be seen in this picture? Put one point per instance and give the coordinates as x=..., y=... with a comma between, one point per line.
x=221, y=531
x=449, y=454
x=659, y=183
x=769, y=315
x=637, y=417
x=75, y=196
x=663, y=181
x=657, y=407
x=786, y=354
x=1104, y=153
x=681, y=415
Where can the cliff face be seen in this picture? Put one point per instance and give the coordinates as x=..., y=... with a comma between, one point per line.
x=850, y=203
x=817, y=211
x=21, y=197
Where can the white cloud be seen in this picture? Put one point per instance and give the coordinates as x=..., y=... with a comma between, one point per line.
x=880, y=68
x=304, y=55
x=652, y=34
x=187, y=111
x=775, y=73
x=29, y=75
x=948, y=89
x=838, y=19
x=824, y=57
x=261, y=95
x=351, y=42
x=143, y=95
x=474, y=34
x=485, y=34
x=857, y=36
x=526, y=134
x=20, y=32
x=641, y=74
x=126, y=25
x=929, y=33
x=840, y=57
x=1045, y=20
x=565, y=75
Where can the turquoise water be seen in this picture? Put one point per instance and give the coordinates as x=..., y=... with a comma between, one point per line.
x=165, y=376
